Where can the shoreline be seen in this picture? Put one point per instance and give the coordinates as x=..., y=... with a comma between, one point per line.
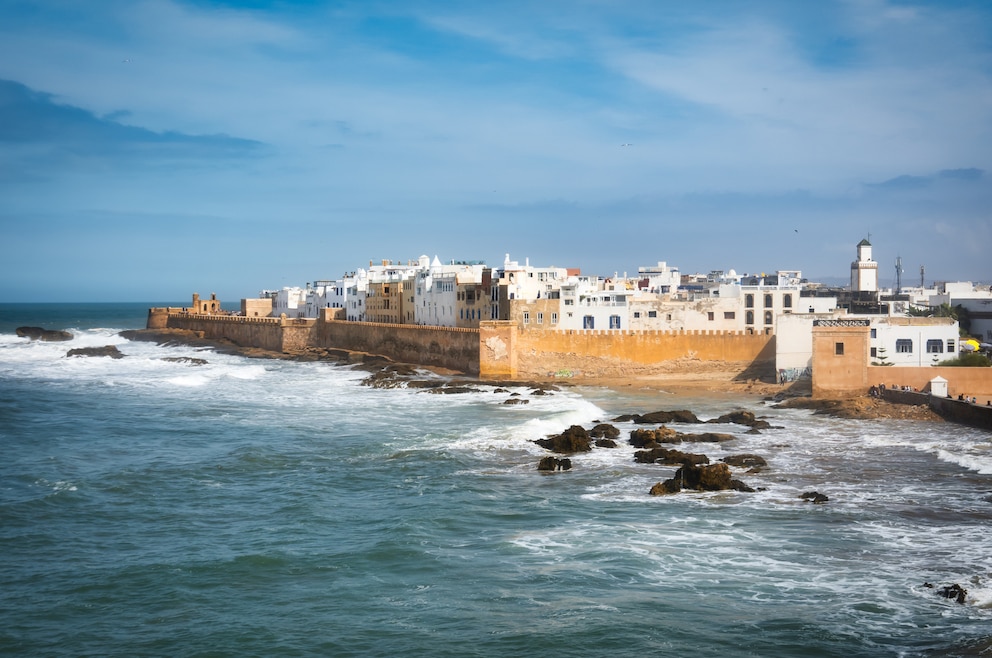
x=713, y=382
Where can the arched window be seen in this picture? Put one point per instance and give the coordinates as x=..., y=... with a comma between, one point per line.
x=768, y=317
x=768, y=301
x=749, y=317
x=787, y=301
x=749, y=301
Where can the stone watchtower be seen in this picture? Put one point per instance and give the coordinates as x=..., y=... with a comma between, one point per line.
x=206, y=306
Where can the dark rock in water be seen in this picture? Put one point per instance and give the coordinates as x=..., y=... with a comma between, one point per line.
x=500, y=390
x=553, y=464
x=745, y=461
x=45, y=335
x=606, y=443
x=669, y=457
x=650, y=438
x=604, y=430
x=106, y=350
x=660, y=417
x=185, y=359
x=711, y=477
x=742, y=417
x=707, y=437
x=814, y=497
x=954, y=591
x=517, y=401
x=444, y=390
x=574, y=439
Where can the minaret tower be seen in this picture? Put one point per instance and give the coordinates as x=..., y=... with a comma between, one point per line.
x=864, y=271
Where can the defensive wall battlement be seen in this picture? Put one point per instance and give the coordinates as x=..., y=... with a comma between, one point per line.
x=497, y=349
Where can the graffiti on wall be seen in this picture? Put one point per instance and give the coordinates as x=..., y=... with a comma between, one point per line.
x=786, y=375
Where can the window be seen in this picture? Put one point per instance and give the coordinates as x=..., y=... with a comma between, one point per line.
x=668, y=317
x=588, y=322
x=839, y=349
x=652, y=314
x=748, y=301
x=569, y=302
x=950, y=344
x=874, y=352
x=749, y=317
x=709, y=316
x=637, y=314
x=787, y=301
x=729, y=315
x=768, y=301
x=874, y=333
x=554, y=318
x=904, y=346
x=768, y=317
x=614, y=322
x=540, y=318
x=935, y=346
x=526, y=317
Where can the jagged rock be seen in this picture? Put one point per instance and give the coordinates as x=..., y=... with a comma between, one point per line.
x=574, y=439
x=659, y=417
x=517, y=401
x=446, y=390
x=606, y=443
x=665, y=488
x=650, y=438
x=540, y=391
x=604, y=430
x=193, y=361
x=742, y=417
x=745, y=461
x=45, y=335
x=669, y=457
x=106, y=350
x=814, y=497
x=712, y=477
x=553, y=464
x=954, y=591
x=707, y=437
x=500, y=390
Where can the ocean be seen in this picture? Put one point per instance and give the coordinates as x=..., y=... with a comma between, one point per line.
x=247, y=507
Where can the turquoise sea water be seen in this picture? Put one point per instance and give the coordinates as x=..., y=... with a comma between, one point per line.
x=268, y=508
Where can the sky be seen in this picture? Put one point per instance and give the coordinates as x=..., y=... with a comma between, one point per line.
x=150, y=149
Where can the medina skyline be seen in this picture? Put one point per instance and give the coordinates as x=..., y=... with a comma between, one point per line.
x=158, y=147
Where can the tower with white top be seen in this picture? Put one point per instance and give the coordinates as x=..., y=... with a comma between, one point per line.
x=864, y=271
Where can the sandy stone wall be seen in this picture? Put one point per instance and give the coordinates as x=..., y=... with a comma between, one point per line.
x=443, y=347
x=533, y=353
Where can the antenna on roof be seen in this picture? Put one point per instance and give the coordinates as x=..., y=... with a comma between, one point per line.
x=898, y=275
x=922, y=271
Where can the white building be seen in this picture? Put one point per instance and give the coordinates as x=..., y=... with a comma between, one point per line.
x=864, y=271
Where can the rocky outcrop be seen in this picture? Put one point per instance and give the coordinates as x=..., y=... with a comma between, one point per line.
x=574, y=439
x=669, y=457
x=711, y=477
x=555, y=464
x=45, y=335
x=814, y=497
x=659, y=418
x=753, y=462
x=651, y=438
x=954, y=591
x=741, y=417
x=604, y=431
x=106, y=350
x=193, y=361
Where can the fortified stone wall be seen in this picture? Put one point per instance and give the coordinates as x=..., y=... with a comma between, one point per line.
x=444, y=347
x=533, y=353
x=262, y=333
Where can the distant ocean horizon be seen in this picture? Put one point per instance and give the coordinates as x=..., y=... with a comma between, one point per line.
x=179, y=501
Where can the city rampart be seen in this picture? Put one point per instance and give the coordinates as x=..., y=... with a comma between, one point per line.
x=443, y=347
x=507, y=350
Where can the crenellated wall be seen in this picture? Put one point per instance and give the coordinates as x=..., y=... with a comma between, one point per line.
x=507, y=350
x=443, y=347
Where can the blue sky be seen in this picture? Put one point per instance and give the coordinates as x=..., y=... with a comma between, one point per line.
x=152, y=148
